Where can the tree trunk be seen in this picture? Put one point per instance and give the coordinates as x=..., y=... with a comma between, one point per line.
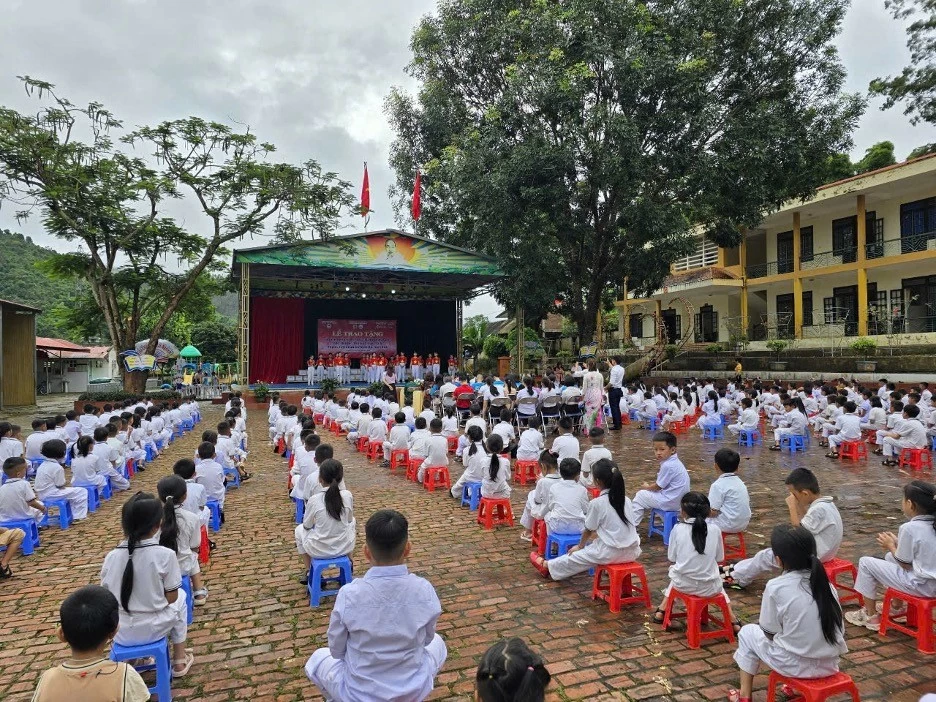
x=135, y=381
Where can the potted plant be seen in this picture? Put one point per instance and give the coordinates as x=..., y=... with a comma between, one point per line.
x=778, y=346
x=329, y=385
x=715, y=350
x=261, y=391
x=865, y=347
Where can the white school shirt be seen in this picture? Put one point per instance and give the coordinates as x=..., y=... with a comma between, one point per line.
x=380, y=627
x=724, y=406
x=748, y=418
x=450, y=426
x=363, y=424
x=916, y=546
x=84, y=470
x=399, y=436
x=850, y=427
x=913, y=432
x=88, y=423
x=419, y=443
x=692, y=572
x=155, y=572
x=477, y=422
x=429, y=415
x=797, y=422
x=675, y=411
x=410, y=416
x=475, y=465
x=673, y=480
x=210, y=474
x=195, y=496
x=877, y=417
x=729, y=495
x=565, y=446
x=500, y=486
x=9, y=448
x=591, y=457
x=437, y=450
x=49, y=476
x=377, y=430
x=188, y=539
x=894, y=420
x=314, y=487
x=611, y=531
x=823, y=520
x=325, y=536
x=541, y=494
x=531, y=445
x=506, y=431
x=566, y=504
x=14, y=494
x=34, y=444
x=106, y=452
x=790, y=614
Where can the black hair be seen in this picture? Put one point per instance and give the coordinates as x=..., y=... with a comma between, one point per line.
x=206, y=450
x=912, y=411
x=399, y=418
x=923, y=495
x=376, y=413
x=548, y=461
x=100, y=434
x=312, y=440
x=475, y=436
x=171, y=490
x=534, y=422
x=184, y=468
x=570, y=468
x=595, y=432
x=897, y=406
x=5, y=428
x=12, y=464
x=727, y=460
x=420, y=422
x=665, y=437
x=803, y=479
x=850, y=406
x=796, y=549
x=83, y=445
x=210, y=436
x=331, y=472
x=510, y=672
x=386, y=533
x=606, y=474
x=223, y=427
x=111, y=428
x=323, y=452
x=696, y=506
x=365, y=408
x=435, y=426
x=141, y=514
x=88, y=617
x=565, y=424
x=876, y=401
x=495, y=444
x=36, y=423
x=54, y=449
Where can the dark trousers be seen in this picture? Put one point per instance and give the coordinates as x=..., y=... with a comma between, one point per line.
x=614, y=399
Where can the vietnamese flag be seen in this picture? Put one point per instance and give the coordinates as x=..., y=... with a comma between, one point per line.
x=365, y=193
x=417, y=197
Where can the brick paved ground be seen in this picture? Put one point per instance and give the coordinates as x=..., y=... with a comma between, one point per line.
x=257, y=629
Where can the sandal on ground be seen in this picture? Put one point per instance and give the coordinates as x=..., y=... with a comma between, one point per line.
x=788, y=691
x=735, y=696
x=659, y=615
x=539, y=563
x=775, y=447
x=526, y=537
x=304, y=579
x=889, y=463
x=832, y=454
x=199, y=597
x=5, y=572
x=246, y=476
x=878, y=452
x=186, y=664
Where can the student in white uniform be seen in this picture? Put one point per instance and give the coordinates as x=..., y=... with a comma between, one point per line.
x=794, y=422
x=538, y=497
x=181, y=532
x=475, y=420
x=748, y=418
x=196, y=499
x=506, y=430
x=109, y=458
x=50, y=480
x=210, y=474
x=418, y=442
x=710, y=416
x=674, y=412
x=849, y=429
x=910, y=562
x=304, y=464
x=362, y=426
x=672, y=481
x=800, y=632
x=438, y=450
x=377, y=429
x=566, y=445
x=610, y=534
x=594, y=454
x=152, y=602
x=910, y=434
x=398, y=439
x=87, y=468
x=808, y=509
x=566, y=501
x=695, y=548
x=474, y=459
x=495, y=482
x=728, y=495
x=18, y=500
x=35, y=440
x=449, y=422
x=328, y=529
x=531, y=443
x=9, y=447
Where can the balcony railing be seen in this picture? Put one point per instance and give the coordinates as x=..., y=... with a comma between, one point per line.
x=762, y=270
x=830, y=258
x=903, y=245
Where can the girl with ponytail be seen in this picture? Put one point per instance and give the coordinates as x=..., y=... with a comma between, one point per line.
x=695, y=549
x=474, y=458
x=181, y=532
x=495, y=482
x=328, y=529
x=510, y=672
x=610, y=534
x=147, y=582
x=799, y=634
x=910, y=562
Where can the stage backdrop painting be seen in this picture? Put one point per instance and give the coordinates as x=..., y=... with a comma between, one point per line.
x=356, y=337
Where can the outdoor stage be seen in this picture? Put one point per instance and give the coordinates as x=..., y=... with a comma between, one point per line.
x=377, y=292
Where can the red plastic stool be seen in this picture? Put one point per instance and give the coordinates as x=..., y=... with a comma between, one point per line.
x=326, y=423
x=677, y=427
x=399, y=457
x=318, y=418
x=412, y=468
x=919, y=618
x=855, y=450
x=525, y=471
x=204, y=549
x=625, y=418
x=834, y=569
x=814, y=690
x=593, y=492
x=281, y=446
x=916, y=459
x=621, y=590
x=733, y=552
x=362, y=443
x=869, y=435
x=374, y=450
x=131, y=468
x=539, y=536
x=493, y=512
x=452, y=443
x=437, y=476
x=338, y=430
x=697, y=614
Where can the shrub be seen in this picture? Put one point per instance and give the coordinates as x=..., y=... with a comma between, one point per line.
x=121, y=395
x=261, y=391
x=713, y=349
x=671, y=351
x=495, y=346
x=329, y=385
x=864, y=346
x=777, y=346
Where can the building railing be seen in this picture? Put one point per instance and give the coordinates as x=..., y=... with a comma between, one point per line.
x=830, y=258
x=762, y=270
x=903, y=245
x=706, y=254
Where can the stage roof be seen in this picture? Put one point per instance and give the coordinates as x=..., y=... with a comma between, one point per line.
x=388, y=258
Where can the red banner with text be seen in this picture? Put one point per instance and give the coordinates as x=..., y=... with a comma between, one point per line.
x=355, y=337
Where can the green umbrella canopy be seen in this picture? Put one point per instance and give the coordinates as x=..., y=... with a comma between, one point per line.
x=190, y=352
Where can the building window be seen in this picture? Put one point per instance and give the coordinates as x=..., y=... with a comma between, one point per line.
x=806, y=244
x=845, y=238
x=706, y=325
x=917, y=224
x=785, y=252
x=807, y=307
x=636, y=326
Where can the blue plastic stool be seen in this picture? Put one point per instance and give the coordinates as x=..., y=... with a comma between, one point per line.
x=632, y=414
x=107, y=490
x=300, y=509
x=33, y=466
x=215, y=508
x=149, y=453
x=124, y=471
x=653, y=424
x=471, y=495
x=32, y=533
x=320, y=565
x=68, y=456
x=64, y=511
x=189, y=602
x=94, y=499
x=159, y=651
x=563, y=543
x=669, y=520
x=749, y=437
x=234, y=478
x=933, y=444
x=713, y=431
x=793, y=442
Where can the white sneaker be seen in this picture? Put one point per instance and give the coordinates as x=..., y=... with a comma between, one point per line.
x=860, y=618
x=898, y=609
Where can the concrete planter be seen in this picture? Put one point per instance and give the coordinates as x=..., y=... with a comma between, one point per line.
x=778, y=365
x=866, y=366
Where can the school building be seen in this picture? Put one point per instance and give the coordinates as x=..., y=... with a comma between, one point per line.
x=857, y=259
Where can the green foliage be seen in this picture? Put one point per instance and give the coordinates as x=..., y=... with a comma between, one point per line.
x=778, y=346
x=671, y=351
x=261, y=391
x=714, y=349
x=120, y=396
x=217, y=340
x=329, y=385
x=376, y=389
x=474, y=333
x=837, y=167
x=916, y=84
x=496, y=346
x=877, y=156
x=922, y=151
x=864, y=346
x=580, y=143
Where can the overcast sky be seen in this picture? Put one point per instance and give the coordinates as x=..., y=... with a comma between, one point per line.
x=309, y=76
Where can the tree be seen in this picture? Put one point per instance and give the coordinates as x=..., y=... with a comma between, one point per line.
x=916, y=84
x=216, y=339
x=581, y=143
x=922, y=151
x=113, y=204
x=474, y=332
x=837, y=167
x=877, y=156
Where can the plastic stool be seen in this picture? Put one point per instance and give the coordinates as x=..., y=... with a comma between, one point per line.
x=621, y=590
x=234, y=476
x=452, y=443
x=697, y=614
x=148, y=449
x=93, y=496
x=398, y=457
x=733, y=553
x=31, y=542
x=412, y=468
x=815, y=689
x=159, y=651
x=318, y=418
x=669, y=520
x=676, y=428
x=793, y=442
x=493, y=512
x=320, y=565
x=437, y=476
x=919, y=618
x=539, y=536
x=300, y=509
x=374, y=450
x=215, y=508
x=713, y=431
x=525, y=471
x=64, y=511
x=471, y=495
x=362, y=443
x=593, y=492
x=835, y=568
x=204, y=548
x=189, y=602
x=562, y=542
x=107, y=490
x=916, y=458
x=652, y=424
x=855, y=450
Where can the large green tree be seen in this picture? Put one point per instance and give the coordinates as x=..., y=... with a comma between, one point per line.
x=580, y=142
x=877, y=156
x=111, y=200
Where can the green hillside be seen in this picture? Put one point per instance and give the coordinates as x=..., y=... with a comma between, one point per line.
x=22, y=282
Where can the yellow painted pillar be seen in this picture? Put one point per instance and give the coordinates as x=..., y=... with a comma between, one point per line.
x=742, y=259
x=862, y=236
x=797, y=280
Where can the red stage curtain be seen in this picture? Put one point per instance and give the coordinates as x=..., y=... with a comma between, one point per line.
x=277, y=333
